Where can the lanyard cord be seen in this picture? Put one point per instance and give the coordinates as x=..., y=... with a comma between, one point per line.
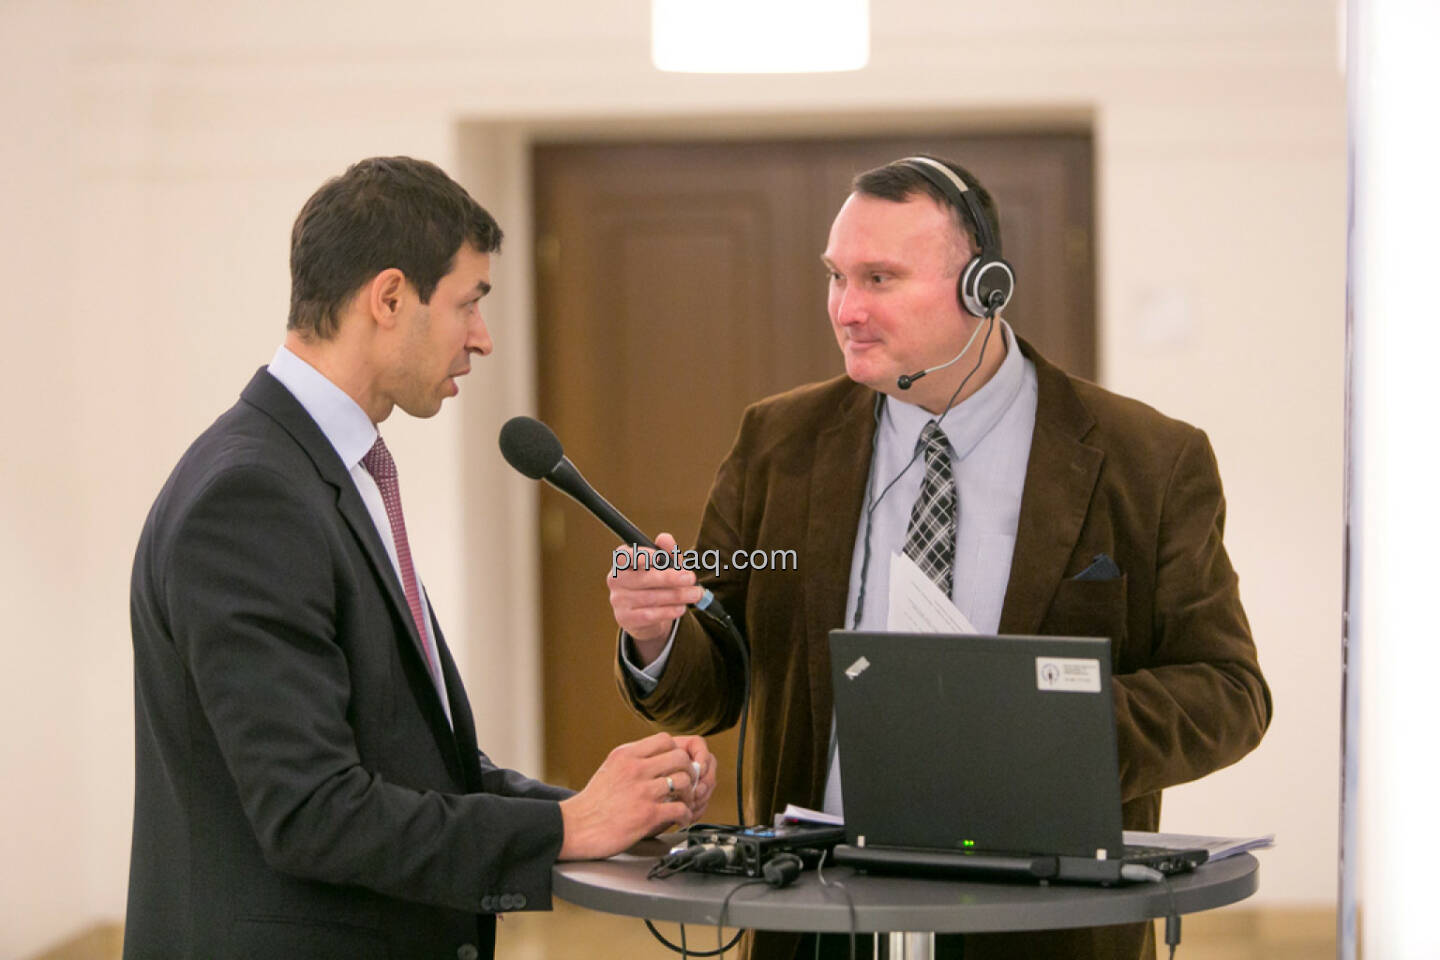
x=874, y=446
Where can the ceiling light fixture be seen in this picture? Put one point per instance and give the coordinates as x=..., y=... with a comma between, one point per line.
x=760, y=36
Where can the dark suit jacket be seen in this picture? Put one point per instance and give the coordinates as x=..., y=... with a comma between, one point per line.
x=298, y=791
x=1106, y=475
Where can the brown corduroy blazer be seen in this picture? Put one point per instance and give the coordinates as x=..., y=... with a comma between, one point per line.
x=1106, y=474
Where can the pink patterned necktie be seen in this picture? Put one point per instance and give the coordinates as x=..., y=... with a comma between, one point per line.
x=382, y=467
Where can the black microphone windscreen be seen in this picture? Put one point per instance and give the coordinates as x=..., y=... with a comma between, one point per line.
x=530, y=447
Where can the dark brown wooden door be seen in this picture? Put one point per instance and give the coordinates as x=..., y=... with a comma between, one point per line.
x=678, y=282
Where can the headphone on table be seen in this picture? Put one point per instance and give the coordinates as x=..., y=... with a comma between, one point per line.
x=988, y=281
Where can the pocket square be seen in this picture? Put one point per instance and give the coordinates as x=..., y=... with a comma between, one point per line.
x=1102, y=568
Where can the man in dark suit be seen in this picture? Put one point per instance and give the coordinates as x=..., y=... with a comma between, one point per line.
x=308, y=782
x=1040, y=503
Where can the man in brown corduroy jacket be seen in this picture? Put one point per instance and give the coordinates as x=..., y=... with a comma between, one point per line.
x=1036, y=472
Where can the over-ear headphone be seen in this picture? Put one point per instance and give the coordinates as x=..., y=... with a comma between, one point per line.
x=988, y=281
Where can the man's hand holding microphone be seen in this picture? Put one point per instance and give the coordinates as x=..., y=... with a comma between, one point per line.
x=647, y=600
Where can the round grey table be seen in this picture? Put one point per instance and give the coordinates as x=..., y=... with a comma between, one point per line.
x=890, y=905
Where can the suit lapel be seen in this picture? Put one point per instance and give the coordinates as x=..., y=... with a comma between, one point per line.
x=270, y=396
x=836, y=497
x=1059, y=482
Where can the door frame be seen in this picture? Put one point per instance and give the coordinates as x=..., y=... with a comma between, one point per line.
x=497, y=629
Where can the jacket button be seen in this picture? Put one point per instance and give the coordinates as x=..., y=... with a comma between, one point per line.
x=467, y=951
x=519, y=901
x=487, y=903
x=507, y=902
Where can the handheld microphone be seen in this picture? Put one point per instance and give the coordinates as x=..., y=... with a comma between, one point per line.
x=532, y=448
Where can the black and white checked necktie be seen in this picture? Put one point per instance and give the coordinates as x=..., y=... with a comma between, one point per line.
x=930, y=540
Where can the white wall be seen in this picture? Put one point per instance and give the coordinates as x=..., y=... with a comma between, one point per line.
x=158, y=151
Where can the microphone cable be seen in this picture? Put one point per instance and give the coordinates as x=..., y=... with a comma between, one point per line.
x=1138, y=872
x=717, y=614
x=683, y=948
x=721, y=947
x=725, y=910
x=990, y=316
x=849, y=901
x=1172, y=920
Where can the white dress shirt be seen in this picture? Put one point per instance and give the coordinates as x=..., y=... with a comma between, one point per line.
x=350, y=432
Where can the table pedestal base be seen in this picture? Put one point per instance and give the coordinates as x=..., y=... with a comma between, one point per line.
x=904, y=946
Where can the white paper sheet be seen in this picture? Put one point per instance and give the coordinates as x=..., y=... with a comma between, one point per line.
x=917, y=605
x=793, y=813
x=1218, y=847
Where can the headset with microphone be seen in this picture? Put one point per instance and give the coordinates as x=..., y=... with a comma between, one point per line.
x=986, y=285
x=987, y=282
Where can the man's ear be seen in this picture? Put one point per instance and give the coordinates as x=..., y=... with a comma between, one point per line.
x=385, y=294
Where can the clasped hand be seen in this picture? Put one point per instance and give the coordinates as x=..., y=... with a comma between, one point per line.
x=641, y=789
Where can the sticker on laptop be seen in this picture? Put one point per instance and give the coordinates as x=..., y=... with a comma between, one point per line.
x=857, y=668
x=1067, y=674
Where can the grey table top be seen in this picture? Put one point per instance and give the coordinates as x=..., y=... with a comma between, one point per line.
x=884, y=903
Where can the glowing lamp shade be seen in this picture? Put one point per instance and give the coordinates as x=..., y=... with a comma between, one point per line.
x=760, y=36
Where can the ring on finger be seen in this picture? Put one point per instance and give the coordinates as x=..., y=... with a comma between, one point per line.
x=669, y=788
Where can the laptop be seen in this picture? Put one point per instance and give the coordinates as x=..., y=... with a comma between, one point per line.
x=983, y=756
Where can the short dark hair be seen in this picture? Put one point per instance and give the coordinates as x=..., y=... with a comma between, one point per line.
x=898, y=181
x=382, y=212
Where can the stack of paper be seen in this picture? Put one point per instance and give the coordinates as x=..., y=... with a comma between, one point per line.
x=1218, y=847
x=796, y=814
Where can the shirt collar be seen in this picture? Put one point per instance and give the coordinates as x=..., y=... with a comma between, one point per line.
x=968, y=422
x=340, y=418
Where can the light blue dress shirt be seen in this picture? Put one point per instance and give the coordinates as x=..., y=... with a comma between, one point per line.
x=989, y=436
x=350, y=432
